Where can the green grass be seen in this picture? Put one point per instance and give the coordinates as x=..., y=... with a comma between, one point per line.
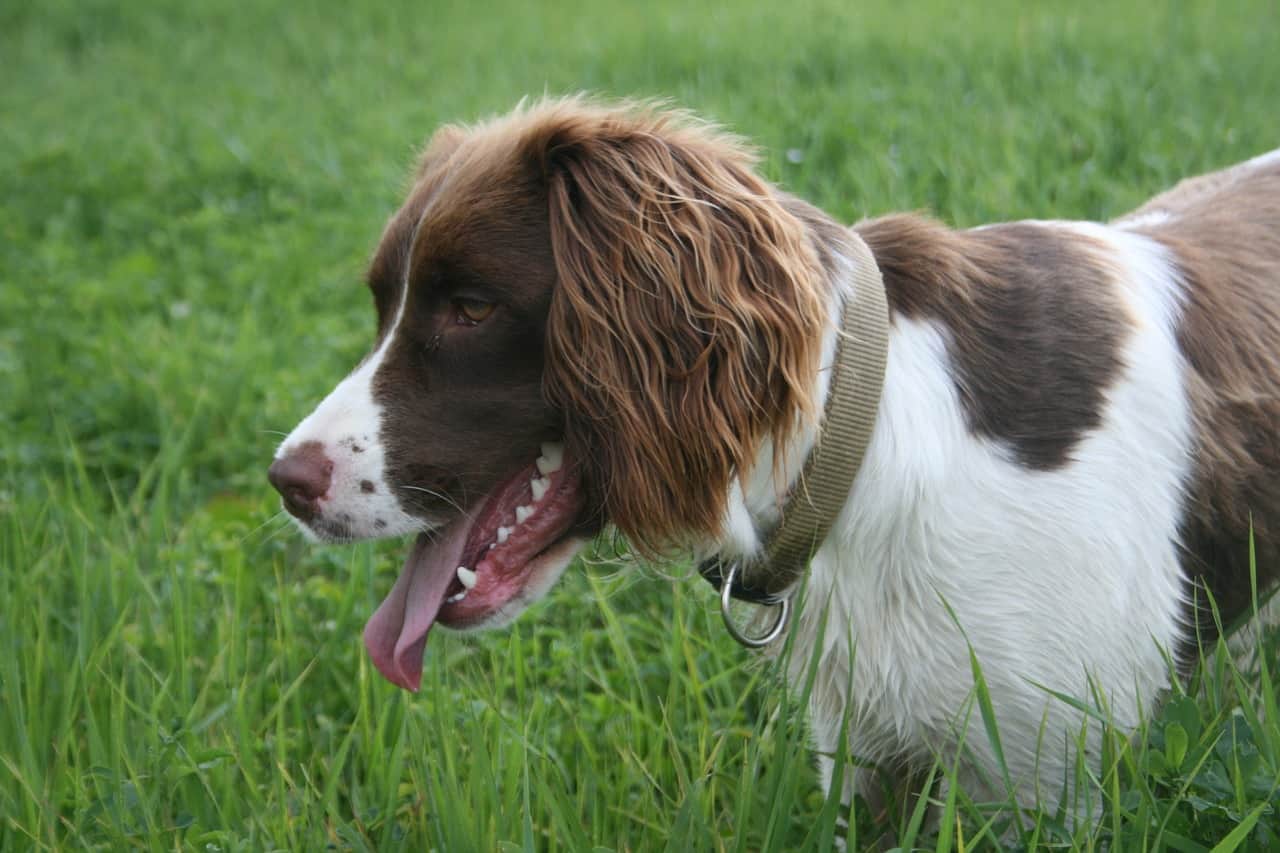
x=187, y=196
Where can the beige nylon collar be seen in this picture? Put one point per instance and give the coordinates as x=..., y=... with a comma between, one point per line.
x=820, y=492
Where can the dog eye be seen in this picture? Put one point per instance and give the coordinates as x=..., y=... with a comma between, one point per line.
x=472, y=312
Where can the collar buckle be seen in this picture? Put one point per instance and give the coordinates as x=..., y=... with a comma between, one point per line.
x=727, y=595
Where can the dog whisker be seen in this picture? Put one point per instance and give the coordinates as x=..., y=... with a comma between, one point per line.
x=283, y=528
x=276, y=516
x=439, y=495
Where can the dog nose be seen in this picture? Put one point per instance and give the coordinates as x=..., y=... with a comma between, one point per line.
x=301, y=477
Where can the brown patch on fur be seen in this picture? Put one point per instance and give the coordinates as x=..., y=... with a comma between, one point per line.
x=686, y=323
x=1034, y=324
x=1224, y=233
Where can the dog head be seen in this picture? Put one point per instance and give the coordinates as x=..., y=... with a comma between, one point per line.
x=586, y=315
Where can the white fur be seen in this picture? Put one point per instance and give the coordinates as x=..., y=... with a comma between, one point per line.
x=1271, y=158
x=346, y=419
x=1055, y=578
x=1150, y=219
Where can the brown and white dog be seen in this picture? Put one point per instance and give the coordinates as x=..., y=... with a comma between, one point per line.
x=593, y=314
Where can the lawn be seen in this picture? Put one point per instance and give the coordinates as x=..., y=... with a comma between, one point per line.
x=188, y=193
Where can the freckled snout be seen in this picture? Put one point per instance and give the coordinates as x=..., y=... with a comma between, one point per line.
x=302, y=478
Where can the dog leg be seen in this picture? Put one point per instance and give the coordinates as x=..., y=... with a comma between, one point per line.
x=890, y=791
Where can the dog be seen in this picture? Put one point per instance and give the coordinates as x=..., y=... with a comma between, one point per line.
x=595, y=314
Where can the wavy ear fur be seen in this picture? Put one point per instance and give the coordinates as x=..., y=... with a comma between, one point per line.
x=686, y=326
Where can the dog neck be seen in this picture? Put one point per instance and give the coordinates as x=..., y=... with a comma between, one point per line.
x=782, y=509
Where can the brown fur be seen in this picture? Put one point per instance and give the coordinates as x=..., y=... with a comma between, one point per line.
x=687, y=317
x=1034, y=325
x=1224, y=232
x=463, y=407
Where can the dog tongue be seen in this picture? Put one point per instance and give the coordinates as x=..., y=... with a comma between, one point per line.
x=397, y=632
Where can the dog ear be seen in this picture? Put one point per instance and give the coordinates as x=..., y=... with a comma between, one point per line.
x=685, y=328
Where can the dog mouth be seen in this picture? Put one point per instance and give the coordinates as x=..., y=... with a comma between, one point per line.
x=481, y=567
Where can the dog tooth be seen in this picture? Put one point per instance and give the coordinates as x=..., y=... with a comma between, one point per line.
x=454, y=599
x=540, y=486
x=466, y=577
x=503, y=533
x=551, y=458
x=523, y=512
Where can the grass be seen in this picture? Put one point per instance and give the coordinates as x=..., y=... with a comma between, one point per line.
x=187, y=196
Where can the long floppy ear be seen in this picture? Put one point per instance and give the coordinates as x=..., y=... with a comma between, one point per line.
x=686, y=324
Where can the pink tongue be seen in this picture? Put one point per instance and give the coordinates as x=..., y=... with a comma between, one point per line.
x=397, y=632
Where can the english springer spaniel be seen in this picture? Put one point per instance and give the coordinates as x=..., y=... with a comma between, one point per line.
x=594, y=314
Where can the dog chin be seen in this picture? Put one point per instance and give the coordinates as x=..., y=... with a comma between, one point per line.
x=324, y=531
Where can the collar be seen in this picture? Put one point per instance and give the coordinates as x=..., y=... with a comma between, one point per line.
x=820, y=492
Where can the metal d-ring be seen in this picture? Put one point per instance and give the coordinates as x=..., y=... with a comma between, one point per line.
x=774, y=632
